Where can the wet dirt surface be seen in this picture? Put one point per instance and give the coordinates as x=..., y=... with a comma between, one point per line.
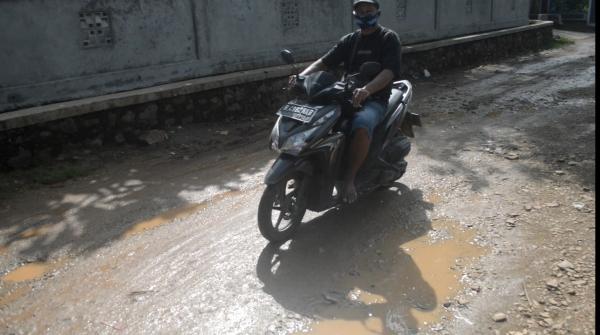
x=495, y=215
x=397, y=287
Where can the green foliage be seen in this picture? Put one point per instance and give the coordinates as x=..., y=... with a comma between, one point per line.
x=43, y=175
x=570, y=6
x=560, y=42
x=58, y=174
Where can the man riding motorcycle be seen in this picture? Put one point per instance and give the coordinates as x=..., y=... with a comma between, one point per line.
x=371, y=43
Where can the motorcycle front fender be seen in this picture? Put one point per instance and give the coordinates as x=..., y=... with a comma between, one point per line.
x=287, y=166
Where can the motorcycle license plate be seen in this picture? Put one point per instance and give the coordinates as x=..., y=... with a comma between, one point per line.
x=298, y=112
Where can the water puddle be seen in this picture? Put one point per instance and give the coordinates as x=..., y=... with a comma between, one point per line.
x=402, y=286
x=176, y=214
x=35, y=231
x=370, y=326
x=27, y=272
x=365, y=297
x=33, y=271
x=437, y=263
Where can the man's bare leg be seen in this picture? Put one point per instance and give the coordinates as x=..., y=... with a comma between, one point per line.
x=359, y=149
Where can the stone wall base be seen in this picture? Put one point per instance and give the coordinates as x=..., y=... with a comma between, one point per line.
x=478, y=52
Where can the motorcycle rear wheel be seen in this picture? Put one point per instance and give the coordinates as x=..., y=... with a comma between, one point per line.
x=281, y=209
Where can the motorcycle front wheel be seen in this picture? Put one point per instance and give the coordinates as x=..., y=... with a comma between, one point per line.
x=281, y=209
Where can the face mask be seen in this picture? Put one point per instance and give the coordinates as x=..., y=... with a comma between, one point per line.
x=368, y=21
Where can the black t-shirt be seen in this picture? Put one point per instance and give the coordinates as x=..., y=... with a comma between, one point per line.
x=382, y=46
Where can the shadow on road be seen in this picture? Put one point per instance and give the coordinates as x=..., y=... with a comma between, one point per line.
x=541, y=109
x=89, y=215
x=357, y=247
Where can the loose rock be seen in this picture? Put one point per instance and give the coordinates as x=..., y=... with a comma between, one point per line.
x=564, y=265
x=552, y=284
x=154, y=136
x=119, y=138
x=499, y=317
x=331, y=298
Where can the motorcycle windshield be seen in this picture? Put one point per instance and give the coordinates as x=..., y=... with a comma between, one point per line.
x=317, y=82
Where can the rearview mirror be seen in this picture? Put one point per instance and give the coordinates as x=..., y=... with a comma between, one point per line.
x=287, y=56
x=370, y=69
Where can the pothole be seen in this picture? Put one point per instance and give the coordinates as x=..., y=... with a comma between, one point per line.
x=402, y=289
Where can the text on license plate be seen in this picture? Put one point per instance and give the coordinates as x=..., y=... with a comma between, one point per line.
x=298, y=112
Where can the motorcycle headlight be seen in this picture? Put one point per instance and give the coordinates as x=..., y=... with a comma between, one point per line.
x=295, y=143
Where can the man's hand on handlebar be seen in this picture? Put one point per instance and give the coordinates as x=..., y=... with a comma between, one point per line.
x=359, y=96
x=292, y=81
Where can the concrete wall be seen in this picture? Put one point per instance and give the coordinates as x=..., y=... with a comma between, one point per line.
x=41, y=142
x=58, y=50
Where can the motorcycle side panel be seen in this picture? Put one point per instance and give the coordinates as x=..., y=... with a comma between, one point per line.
x=286, y=166
x=327, y=160
x=396, y=150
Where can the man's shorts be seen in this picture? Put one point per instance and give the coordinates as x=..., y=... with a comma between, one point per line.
x=369, y=116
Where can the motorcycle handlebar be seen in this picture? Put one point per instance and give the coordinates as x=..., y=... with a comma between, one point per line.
x=343, y=97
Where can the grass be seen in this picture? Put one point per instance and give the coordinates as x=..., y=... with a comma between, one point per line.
x=57, y=174
x=43, y=175
x=560, y=42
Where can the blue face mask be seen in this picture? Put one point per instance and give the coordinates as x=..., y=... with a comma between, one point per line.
x=368, y=21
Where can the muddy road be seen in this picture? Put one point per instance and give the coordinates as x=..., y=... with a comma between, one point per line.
x=491, y=230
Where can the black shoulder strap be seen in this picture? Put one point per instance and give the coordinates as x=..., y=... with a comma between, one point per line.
x=353, y=53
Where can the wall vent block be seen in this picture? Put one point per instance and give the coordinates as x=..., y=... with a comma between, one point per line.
x=290, y=15
x=96, y=30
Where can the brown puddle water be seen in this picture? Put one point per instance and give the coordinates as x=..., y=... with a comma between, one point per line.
x=177, y=213
x=35, y=231
x=27, y=272
x=369, y=326
x=164, y=218
x=32, y=271
x=403, y=289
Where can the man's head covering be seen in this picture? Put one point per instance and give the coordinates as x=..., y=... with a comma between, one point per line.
x=372, y=2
